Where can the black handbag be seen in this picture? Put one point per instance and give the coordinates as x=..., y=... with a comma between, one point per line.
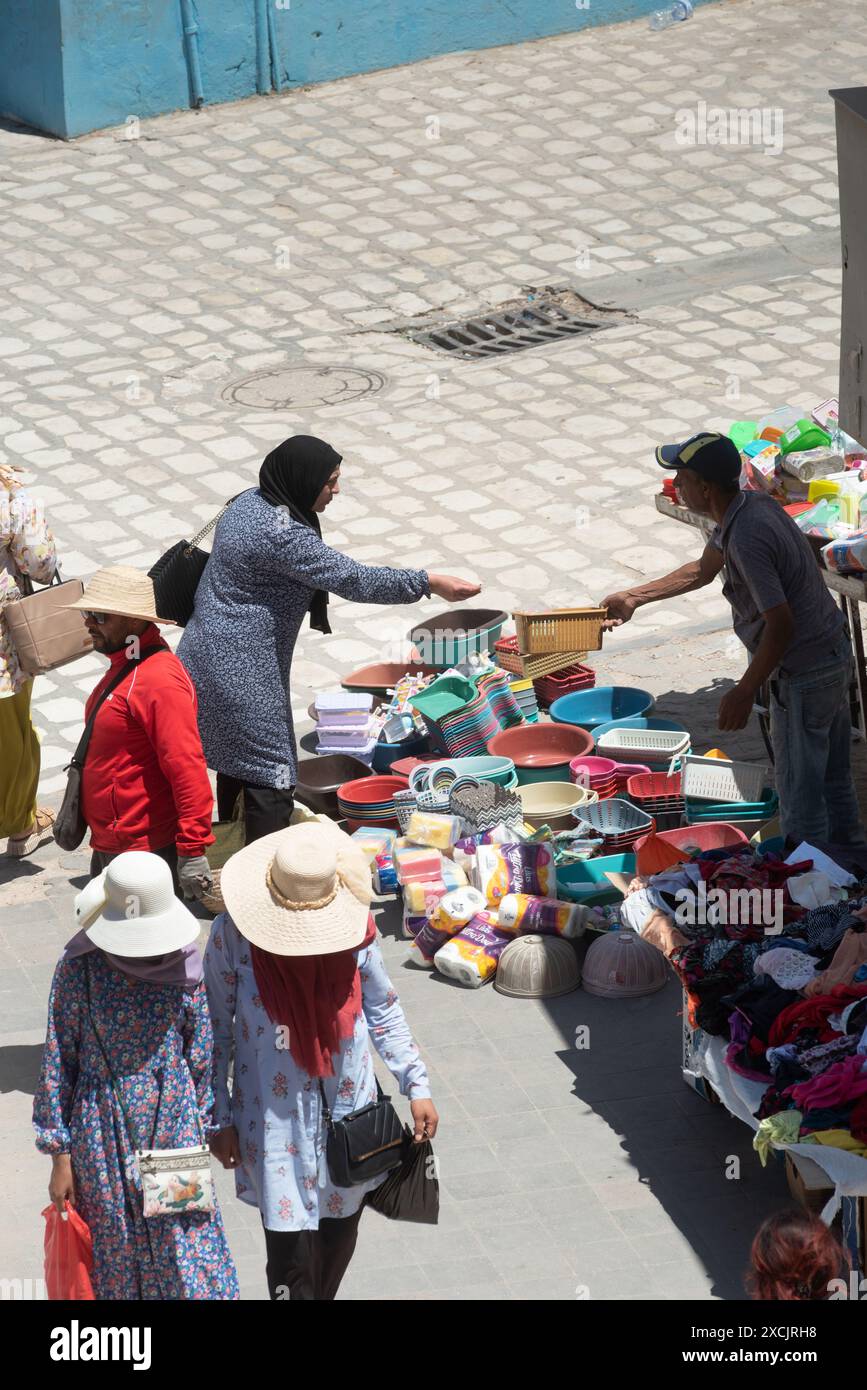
x=365, y=1143
x=412, y=1191
x=177, y=573
x=70, y=825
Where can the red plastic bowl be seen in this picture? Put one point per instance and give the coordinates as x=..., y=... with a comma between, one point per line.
x=368, y=791
x=597, y=769
x=541, y=745
x=685, y=840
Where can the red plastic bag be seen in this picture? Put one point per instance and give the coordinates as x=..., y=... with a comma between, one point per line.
x=68, y=1255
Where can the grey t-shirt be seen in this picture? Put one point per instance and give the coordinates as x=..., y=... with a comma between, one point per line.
x=769, y=561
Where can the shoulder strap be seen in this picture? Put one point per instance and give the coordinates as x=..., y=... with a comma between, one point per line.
x=200, y=535
x=80, y=753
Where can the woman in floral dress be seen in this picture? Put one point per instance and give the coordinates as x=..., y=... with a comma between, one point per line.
x=297, y=984
x=133, y=984
x=26, y=548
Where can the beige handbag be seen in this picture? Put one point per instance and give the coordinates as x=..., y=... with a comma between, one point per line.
x=45, y=633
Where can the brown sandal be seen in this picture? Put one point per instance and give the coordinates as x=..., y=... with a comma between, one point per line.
x=41, y=831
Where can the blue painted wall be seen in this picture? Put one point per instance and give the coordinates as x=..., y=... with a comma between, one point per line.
x=71, y=66
x=31, y=80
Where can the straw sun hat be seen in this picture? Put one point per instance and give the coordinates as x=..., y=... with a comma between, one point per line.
x=303, y=891
x=130, y=909
x=121, y=589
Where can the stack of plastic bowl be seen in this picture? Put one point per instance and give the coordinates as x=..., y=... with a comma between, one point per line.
x=618, y=822
x=541, y=752
x=554, y=803
x=525, y=695
x=623, y=772
x=370, y=801
x=601, y=705
x=597, y=774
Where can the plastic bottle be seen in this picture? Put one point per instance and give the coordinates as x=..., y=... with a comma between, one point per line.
x=662, y=19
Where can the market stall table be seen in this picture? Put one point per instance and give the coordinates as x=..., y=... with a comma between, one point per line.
x=851, y=593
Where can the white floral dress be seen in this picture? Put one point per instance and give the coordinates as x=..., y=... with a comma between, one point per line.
x=26, y=547
x=275, y=1106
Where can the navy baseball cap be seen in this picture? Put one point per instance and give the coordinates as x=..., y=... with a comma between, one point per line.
x=713, y=457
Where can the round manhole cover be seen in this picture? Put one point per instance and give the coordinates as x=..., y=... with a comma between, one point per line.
x=292, y=388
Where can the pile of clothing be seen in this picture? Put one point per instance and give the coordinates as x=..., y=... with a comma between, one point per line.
x=783, y=982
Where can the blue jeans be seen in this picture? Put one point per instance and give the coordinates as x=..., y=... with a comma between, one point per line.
x=811, y=731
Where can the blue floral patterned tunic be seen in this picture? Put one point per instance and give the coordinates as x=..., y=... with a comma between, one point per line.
x=254, y=594
x=275, y=1106
x=159, y=1041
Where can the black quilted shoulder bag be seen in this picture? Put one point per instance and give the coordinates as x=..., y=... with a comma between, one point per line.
x=365, y=1143
x=177, y=573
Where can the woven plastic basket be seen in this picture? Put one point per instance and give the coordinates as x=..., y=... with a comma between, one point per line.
x=711, y=779
x=565, y=630
x=646, y=745
x=523, y=664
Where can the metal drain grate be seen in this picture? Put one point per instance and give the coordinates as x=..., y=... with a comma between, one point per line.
x=537, y=318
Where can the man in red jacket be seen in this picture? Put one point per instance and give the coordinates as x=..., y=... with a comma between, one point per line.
x=144, y=782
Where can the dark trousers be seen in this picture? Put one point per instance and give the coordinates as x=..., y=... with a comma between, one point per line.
x=100, y=859
x=309, y=1265
x=266, y=809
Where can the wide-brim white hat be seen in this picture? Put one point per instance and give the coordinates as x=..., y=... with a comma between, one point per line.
x=303, y=891
x=130, y=909
x=123, y=590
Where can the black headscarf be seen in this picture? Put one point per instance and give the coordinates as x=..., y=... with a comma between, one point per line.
x=292, y=476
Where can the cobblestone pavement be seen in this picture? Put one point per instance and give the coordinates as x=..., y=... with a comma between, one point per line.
x=149, y=272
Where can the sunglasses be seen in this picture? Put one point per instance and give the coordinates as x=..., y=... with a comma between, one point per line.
x=98, y=618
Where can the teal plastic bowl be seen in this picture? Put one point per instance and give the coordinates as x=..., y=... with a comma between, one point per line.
x=601, y=705
x=557, y=772
x=449, y=638
x=586, y=882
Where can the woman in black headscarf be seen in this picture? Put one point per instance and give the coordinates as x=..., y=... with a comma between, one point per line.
x=269, y=567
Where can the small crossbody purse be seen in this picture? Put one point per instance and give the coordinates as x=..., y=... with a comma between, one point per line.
x=173, y=1181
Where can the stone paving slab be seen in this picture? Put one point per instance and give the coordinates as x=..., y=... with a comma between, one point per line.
x=141, y=279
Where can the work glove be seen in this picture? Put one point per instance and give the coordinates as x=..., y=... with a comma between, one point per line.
x=195, y=876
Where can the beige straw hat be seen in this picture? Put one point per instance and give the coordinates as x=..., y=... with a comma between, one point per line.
x=131, y=910
x=296, y=892
x=121, y=589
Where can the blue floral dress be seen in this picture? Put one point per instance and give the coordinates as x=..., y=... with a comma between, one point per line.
x=159, y=1041
x=254, y=594
x=275, y=1106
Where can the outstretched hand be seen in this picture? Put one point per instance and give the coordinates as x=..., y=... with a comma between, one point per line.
x=453, y=590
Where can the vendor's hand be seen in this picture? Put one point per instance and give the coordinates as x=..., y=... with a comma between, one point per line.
x=735, y=709
x=61, y=1187
x=453, y=590
x=621, y=607
x=195, y=876
x=425, y=1119
x=226, y=1147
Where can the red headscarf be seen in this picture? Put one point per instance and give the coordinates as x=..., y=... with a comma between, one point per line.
x=318, y=998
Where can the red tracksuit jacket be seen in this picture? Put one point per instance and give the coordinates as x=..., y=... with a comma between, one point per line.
x=145, y=782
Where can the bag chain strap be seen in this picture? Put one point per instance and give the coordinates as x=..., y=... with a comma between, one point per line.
x=209, y=527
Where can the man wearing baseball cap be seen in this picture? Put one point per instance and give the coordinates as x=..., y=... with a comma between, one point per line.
x=789, y=623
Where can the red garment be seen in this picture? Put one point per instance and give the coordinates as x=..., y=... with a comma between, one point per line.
x=318, y=998
x=842, y=1083
x=858, y=1120
x=813, y=1013
x=145, y=781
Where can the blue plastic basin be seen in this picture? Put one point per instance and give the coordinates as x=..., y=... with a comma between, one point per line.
x=601, y=705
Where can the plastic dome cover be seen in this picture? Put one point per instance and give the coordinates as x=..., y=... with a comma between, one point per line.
x=619, y=965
